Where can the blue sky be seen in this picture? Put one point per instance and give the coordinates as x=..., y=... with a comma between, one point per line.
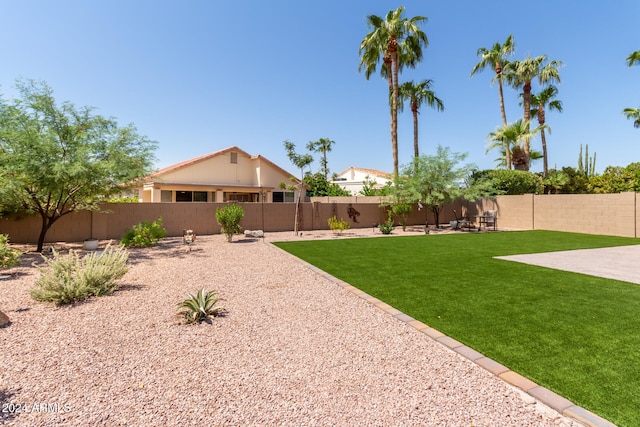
x=201, y=75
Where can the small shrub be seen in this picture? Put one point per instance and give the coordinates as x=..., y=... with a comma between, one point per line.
x=8, y=256
x=70, y=278
x=337, y=225
x=229, y=218
x=402, y=211
x=144, y=234
x=200, y=306
x=387, y=226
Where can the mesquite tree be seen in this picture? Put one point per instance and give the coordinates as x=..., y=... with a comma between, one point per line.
x=57, y=159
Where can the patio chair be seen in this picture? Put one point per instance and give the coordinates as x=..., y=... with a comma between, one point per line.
x=489, y=219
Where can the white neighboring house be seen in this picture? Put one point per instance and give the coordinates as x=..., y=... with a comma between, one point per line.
x=352, y=179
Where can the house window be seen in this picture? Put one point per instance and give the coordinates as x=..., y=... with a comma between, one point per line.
x=165, y=196
x=283, y=197
x=237, y=197
x=234, y=157
x=184, y=196
x=213, y=196
x=191, y=196
x=199, y=196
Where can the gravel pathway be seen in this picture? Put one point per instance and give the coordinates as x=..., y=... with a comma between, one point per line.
x=293, y=349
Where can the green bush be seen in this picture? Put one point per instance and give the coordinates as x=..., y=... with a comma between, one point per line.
x=387, y=226
x=402, y=210
x=8, y=256
x=70, y=278
x=200, y=306
x=144, y=234
x=229, y=218
x=337, y=225
x=505, y=181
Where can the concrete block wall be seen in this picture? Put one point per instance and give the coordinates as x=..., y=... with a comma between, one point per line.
x=609, y=214
x=515, y=212
x=73, y=227
x=637, y=215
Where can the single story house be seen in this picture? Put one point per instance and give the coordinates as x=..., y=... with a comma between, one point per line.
x=353, y=179
x=227, y=175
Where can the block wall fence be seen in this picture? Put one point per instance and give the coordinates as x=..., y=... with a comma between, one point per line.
x=607, y=214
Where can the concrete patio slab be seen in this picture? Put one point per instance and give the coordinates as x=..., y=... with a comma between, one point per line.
x=619, y=263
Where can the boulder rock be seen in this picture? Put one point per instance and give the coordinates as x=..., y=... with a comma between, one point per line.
x=254, y=233
x=4, y=320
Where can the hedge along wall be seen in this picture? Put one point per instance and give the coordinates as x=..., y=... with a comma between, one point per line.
x=608, y=214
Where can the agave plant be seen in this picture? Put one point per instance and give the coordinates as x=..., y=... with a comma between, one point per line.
x=200, y=306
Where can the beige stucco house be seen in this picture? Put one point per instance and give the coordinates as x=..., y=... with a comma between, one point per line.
x=230, y=174
x=352, y=179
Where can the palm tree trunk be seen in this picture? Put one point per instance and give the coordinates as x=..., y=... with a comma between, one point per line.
x=503, y=112
x=526, y=95
x=324, y=165
x=389, y=63
x=394, y=120
x=541, y=122
x=416, y=152
x=544, y=154
x=395, y=66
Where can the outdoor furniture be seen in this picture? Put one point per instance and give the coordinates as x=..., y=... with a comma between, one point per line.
x=460, y=222
x=488, y=219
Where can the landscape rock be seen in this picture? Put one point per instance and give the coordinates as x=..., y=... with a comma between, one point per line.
x=4, y=320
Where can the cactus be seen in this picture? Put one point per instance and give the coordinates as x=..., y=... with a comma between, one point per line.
x=587, y=166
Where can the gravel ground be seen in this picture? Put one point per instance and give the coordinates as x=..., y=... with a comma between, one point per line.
x=292, y=349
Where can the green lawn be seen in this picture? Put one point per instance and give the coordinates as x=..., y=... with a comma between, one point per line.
x=574, y=334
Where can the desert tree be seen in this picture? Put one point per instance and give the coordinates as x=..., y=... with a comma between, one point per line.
x=58, y=158
x=439, y=179
x=301, y=161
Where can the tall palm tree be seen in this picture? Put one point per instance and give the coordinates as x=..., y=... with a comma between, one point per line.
x=398, y=41
x=539, y=102
x=496, y=58
x=520, y=74
x=633, y=114
x=633, y=58
x=514, y=134
x=322, y=146
x=516, y=147
x=417, y=95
